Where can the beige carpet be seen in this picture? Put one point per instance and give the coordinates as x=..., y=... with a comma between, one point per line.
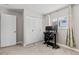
x=36, y=49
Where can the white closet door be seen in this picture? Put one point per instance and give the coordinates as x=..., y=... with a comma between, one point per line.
x=37, y=28
x=28, y=35
x=33, y=29
x=8, y=30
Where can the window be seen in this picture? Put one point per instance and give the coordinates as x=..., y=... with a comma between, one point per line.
x=63, y=22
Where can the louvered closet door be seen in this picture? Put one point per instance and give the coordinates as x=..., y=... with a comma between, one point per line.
x=34, y=29
x=8, y=30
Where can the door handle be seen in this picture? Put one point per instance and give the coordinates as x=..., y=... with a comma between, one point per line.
x=40, y=29
x=32, y=30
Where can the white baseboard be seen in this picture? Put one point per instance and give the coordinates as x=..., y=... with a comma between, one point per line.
x=62, y=45
x=25, y=44
x=19, y=42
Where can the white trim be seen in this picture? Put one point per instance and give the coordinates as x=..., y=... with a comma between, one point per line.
x=24, y=45
x=31, y=43
x=49, y=20
x=19, y=42
x=62, y=45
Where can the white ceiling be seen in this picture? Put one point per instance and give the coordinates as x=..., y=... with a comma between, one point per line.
x=38, y=8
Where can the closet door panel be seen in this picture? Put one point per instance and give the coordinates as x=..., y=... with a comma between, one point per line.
x=8, y=30
x=34, y=29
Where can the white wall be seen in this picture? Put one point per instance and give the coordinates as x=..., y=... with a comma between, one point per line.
x=30, y=14
x=76, y=24
x=75, y=21
x=19, y=22
x=61, y=32
x=45, y=22
x=0, y=29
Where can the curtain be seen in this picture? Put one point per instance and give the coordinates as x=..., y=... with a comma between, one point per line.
x=70, y=41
